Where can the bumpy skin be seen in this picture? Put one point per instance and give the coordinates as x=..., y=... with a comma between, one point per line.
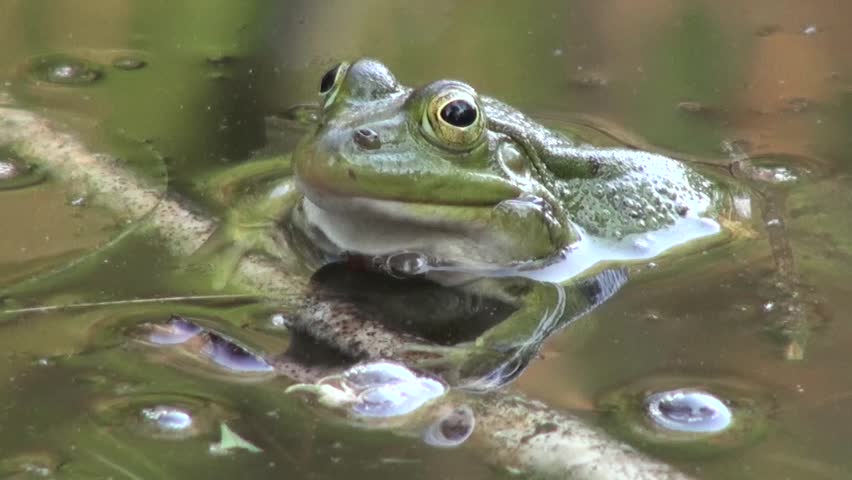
x=384, y=173
x=441, y=180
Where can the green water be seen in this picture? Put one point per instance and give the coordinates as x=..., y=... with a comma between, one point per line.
x=772, y=77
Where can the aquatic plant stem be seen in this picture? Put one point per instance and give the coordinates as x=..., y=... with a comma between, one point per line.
x=519, y=434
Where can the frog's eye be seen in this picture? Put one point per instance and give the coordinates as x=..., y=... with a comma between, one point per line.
x=330, y=83
x=454, y=119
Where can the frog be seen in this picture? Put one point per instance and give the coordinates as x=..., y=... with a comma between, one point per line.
x=461, y=189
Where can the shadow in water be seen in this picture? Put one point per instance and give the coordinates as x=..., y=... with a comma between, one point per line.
x=483, y=331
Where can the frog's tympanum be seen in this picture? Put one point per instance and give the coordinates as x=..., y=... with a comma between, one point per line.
x=447, y=184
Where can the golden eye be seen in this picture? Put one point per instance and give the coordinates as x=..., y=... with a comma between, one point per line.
x=330, y=83
x=453, y=119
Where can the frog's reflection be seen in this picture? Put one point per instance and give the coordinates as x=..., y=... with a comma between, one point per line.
x=482, y=332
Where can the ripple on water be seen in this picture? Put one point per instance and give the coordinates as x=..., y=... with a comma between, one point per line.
x=61, y=69
x=688, y=417
x=160, y=416
x=126, y=62
x=781, y=168
x=15, y=173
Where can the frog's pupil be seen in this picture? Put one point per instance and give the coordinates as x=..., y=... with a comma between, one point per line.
x=459, y=113
x=328, y=79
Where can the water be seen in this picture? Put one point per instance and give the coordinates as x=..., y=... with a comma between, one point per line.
x=180, y=89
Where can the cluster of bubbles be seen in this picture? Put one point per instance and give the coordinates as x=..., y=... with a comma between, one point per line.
x=384, y=390
x=62, y=69
x=215, y=347
x=378, y=389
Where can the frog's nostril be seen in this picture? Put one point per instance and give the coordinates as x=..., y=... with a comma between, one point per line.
x=367, y=139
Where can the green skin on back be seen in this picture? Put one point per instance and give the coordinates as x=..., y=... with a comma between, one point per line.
x=455, y=179
x=384, y=172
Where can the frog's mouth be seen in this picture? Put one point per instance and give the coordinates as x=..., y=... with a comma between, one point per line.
x=507, y=232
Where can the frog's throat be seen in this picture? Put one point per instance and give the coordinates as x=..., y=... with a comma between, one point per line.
x=508, y=233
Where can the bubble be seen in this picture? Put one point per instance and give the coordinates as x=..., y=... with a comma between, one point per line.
x=405, y=264
x=375, y=390
x=29, y=465
x=7, y=170
x=588, y=79
x=164, y=416
x=128, y=63
x=399, y=398
x=452, y=429
x=64, y=70
x=688, y=411
x=374, y=374
x=167, y=418
x=177, y=330
x=15, y=173
x=228, y=354
x=673, y=416
x=781, y=168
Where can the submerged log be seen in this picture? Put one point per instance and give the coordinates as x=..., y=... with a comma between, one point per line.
x=520, y=434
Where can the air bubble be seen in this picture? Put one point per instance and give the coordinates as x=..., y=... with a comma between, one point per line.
x=688, y=411
x=167, y=418
x=452, y=429
x=64, y=70
x=228, y=354
x=176, y=331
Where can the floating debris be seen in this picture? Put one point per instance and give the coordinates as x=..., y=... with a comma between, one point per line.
x=230, y=441
x=810, y=30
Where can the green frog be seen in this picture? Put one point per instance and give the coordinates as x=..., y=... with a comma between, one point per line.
x=442, y=183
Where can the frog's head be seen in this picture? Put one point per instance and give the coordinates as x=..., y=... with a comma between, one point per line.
x=391, y=169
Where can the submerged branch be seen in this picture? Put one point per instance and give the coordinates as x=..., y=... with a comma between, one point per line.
x=520, y=434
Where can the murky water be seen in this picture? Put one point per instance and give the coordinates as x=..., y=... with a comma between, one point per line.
x=175, y=90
